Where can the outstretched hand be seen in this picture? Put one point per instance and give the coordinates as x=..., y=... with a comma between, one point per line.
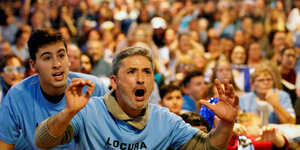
x=75, y=98
x=227, y=107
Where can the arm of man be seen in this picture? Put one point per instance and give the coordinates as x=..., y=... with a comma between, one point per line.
x=226, y=109
x=53, y=129
x=5, y=146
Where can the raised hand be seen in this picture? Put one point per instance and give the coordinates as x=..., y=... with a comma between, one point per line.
x=75, y=98
x=227, y=107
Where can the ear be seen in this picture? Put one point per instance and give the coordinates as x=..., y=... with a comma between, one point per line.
x=113, y=81
x=68, y=58
x=32, y=65
x=160, y=103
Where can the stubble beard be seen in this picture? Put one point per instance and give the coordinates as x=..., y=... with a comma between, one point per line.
x=129, y=102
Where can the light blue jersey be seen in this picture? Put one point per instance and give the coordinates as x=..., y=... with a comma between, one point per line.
x=95, y=128
x=248, y=104
x=24, y=107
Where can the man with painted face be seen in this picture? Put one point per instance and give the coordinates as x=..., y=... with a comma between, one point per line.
x=38, y=97
x=123, y=118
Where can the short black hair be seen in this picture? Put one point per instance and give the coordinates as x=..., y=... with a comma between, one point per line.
x=195, y=119
x=42, y=37
x=165, y=89
x=189, y=76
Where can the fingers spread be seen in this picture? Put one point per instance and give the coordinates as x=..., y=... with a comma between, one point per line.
x=219, y=87
x=207, y=104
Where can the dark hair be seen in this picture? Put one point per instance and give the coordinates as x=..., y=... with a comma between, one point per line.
x=165, y=89
x=272, y=35
x=42, y=37
x=89, y=56
x=127, y=52
x=189, y=76
x=5, y=59
x=195, y=119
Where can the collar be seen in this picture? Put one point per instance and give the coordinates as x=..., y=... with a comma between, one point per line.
x=114, y=108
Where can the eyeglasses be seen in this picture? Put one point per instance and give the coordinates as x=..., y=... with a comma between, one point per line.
x=264, y=80
x=12, y=69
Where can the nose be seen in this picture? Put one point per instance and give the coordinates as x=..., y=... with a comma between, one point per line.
x=140, y=79
x=56, y=64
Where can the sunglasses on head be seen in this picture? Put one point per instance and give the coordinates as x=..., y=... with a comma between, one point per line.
x=12, y=69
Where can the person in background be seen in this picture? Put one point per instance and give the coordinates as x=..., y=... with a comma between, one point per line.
x=196, y=121
x=240, y=70
x=96, y=50
x=5, y=48
x=288, y=73
x=39, y=96
x=86, y=63
x=20, y=48
x=171, y=97
x=249, y=133
x=264, y=94
x=12, y=71
x=223, y=71
x=255, y=55
x=278, y=42
x=74, y=53
x=193, y=86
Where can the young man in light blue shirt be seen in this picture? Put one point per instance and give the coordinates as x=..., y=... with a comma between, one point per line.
x=38, y=97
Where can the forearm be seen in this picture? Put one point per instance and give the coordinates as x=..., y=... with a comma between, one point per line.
x=58, y=123
x=199, y=141
x=5, y=146
x=279, y=141
x=283, y=115
x=45, y=140
x=222, y=134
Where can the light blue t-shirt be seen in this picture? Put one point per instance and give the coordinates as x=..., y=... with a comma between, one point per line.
x=24, y=107
x=248, y=104
x=95, y=128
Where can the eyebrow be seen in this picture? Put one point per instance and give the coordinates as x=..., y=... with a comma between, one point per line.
x=45, y=53
x=60, y=50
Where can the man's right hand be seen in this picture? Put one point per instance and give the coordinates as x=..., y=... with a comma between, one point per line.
x=75, y=98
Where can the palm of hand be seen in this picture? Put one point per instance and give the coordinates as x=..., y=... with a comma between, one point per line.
x=227, y=107
x=225, y=110
x=75, y=98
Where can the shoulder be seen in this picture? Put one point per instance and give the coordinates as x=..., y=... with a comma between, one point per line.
x=162, y=114
x=92, y=78
x=247, y=95
x=25, y=85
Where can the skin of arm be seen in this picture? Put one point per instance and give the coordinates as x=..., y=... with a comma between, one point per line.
x=226, y=109
x=273, y=98
x=75, y=101
x=5, y=146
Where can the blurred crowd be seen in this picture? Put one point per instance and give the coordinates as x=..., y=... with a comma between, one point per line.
x=255, y=44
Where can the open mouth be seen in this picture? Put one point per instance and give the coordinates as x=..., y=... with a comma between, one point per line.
x=58, y=76
x=139, y=92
